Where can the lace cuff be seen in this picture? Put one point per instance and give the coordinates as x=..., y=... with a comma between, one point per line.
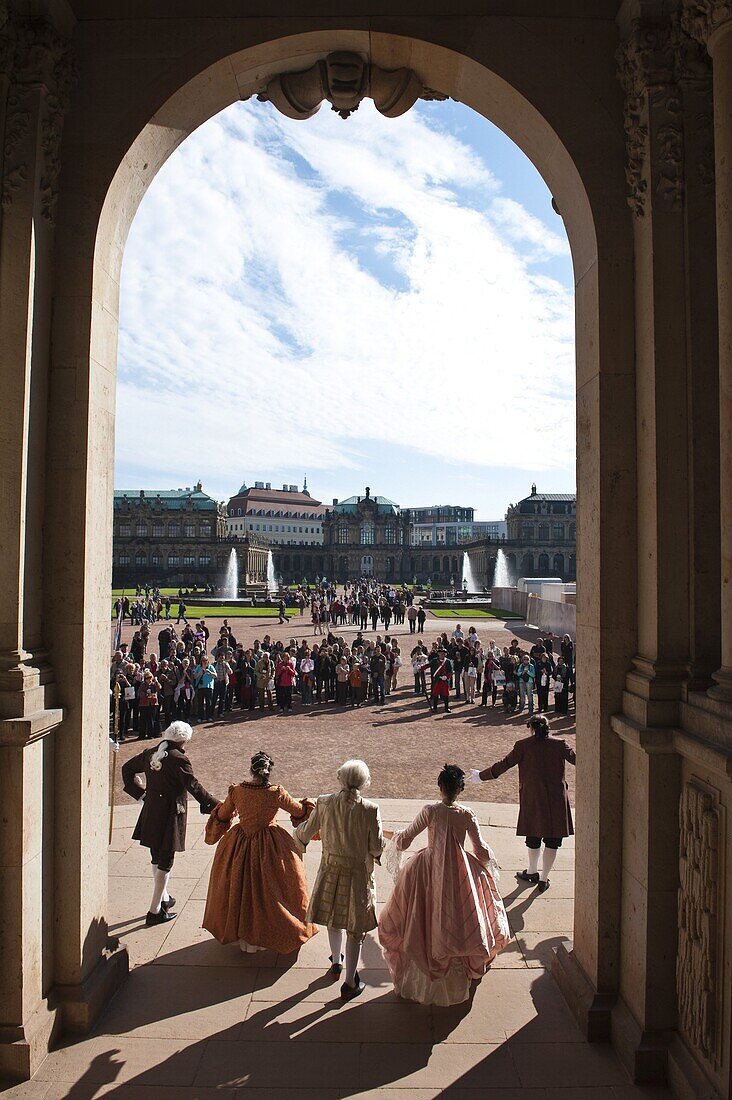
x=393, y=857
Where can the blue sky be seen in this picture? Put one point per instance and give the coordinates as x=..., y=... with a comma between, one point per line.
x=372, y=301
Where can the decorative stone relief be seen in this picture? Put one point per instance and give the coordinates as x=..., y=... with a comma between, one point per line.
x=701, y=18
x=40, y=58
x=652, y=118
x=345, y=79
x=697, y=965
x=694, y=72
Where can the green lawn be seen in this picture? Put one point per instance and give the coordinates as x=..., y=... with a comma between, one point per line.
x=474, y=613
x=131, y=592
x=220, y=611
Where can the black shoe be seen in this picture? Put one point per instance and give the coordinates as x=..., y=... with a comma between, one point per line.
x=543, y=885
x=528, y=876
x=169, y=904
x=337, y=968
x=159, y=918
x=349, y=991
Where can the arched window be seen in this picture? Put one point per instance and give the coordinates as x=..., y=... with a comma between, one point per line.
x=435, y=565
x=367, y=534
x=390, y=534
x=558, y=532
x=140, y=558
x=389, y=567
x=141, y=530
x=342, y=533
x=573, y=531
x=446, y=565
x=543, y=532
x=543, y=564
x=559, y=564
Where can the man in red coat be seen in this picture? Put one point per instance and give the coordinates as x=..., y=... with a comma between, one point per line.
x=544, y=809
x=161, y=826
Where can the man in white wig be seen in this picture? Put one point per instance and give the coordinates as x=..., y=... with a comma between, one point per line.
x=344, y=894
x=161, y=826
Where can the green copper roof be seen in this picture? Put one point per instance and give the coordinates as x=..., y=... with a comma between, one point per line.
x=169, y=498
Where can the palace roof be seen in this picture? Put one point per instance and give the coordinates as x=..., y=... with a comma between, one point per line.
x=169, y=498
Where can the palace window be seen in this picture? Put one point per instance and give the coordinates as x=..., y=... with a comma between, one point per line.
x=156, y=560
x=173, y=561
x=558, y=532
x=189, y=559
x=342, y=533
x=140, y=559
x=204, y=560
x=123, y=559
x=125, y=530
x=173, y=531
x=190, y=530
x=205, y=530
x=527, y=530
x=543, y=532
x=390, y=534
x=141, y=530
x=367, y=534
x=573, y=531
x=158, y=530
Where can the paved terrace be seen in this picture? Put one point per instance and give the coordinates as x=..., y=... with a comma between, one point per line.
x=198, y=1020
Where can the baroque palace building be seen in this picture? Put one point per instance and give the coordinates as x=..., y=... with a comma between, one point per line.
x=625, y=108
x=540, y=540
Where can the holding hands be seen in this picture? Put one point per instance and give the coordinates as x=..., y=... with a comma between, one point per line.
x=474, y=776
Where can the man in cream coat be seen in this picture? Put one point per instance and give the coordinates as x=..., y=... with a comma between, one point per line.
x=344, y=894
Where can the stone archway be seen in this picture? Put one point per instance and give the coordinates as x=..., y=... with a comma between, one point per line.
x=113, y=146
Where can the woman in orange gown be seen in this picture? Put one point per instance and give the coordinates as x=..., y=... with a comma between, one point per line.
x=257, y=893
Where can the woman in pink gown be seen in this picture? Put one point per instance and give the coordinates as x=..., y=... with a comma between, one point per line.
x=444, y=922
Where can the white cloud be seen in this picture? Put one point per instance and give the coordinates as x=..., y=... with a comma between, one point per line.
x=254, y=325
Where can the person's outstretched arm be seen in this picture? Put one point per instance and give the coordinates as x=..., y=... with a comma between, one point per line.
x=404, y=838
x=309, y=828
x=482, y=849
x=205, y=800
x=501, y=766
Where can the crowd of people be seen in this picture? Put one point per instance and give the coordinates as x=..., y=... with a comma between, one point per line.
x=444, y=922
x=188, y=675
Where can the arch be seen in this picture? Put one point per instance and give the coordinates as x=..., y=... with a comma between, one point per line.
x=527, y=565
x=454, y=566
x=446, y=565
x=501, y=74
x=558, y=564
x=436, y=565
x=512, y=564
x=543, y=565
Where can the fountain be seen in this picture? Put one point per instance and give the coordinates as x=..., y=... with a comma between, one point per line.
x=468, y=574
x=272, y=585
x=231, y=584
x=501, y=574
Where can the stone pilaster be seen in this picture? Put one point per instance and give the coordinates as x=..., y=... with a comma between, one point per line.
x=710, y=21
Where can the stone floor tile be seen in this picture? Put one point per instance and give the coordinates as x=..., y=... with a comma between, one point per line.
x=190, y=864
x=541, y=913
x=553, y=1065
x=64, y=1090
x=315, y=954
x=538, y=947
x=282, y=1065
x=26, y=1090
x=444, y=1066
x=314, y=985
x=336, y=1022
x=168, y=1004
x=108, y=1058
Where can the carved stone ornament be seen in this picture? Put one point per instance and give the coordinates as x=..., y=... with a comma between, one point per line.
x=701, y=18
x=41, y=63
x=652, y=117
x=697, y=965
x=345, y=79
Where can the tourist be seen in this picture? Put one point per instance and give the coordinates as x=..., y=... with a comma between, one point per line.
x=343, y=673
x=442, y=671
x=182, y=613
x=444, y=922
x=285, y=676
x=545, y=814
x=378, y=672
x=204, y=678
x=412, y=616
x=344, y=894
x=264, y=673
x=421, y=616
x=161, y=826
x=222, y=672
x=420, y=663
x=491, y=670
x=560, y=687
x=257, y=893
x=282, y=615
x=525, y=676
x=470, y=678
x=354, y=682
x=395, y=663
x=147, y=702
x=544, y=677
x=307, y=675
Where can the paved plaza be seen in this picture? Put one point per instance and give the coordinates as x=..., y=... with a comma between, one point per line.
x=403, y=743
x=197, y=1020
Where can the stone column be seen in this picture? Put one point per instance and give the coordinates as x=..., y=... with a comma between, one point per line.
x=710, y=21
x=646, y=1008
x=34, y=79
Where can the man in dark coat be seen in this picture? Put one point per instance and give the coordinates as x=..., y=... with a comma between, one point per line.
x=544, y=809
x=161, y=826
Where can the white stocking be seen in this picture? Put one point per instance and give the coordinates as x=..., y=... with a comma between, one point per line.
x=533, y=860
x=353, y=951
x=335, y=939
x=160, y=879
x=550, y=854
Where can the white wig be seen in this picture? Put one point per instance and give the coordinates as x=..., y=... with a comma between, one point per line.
x=178, y=733
x=354, y=775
